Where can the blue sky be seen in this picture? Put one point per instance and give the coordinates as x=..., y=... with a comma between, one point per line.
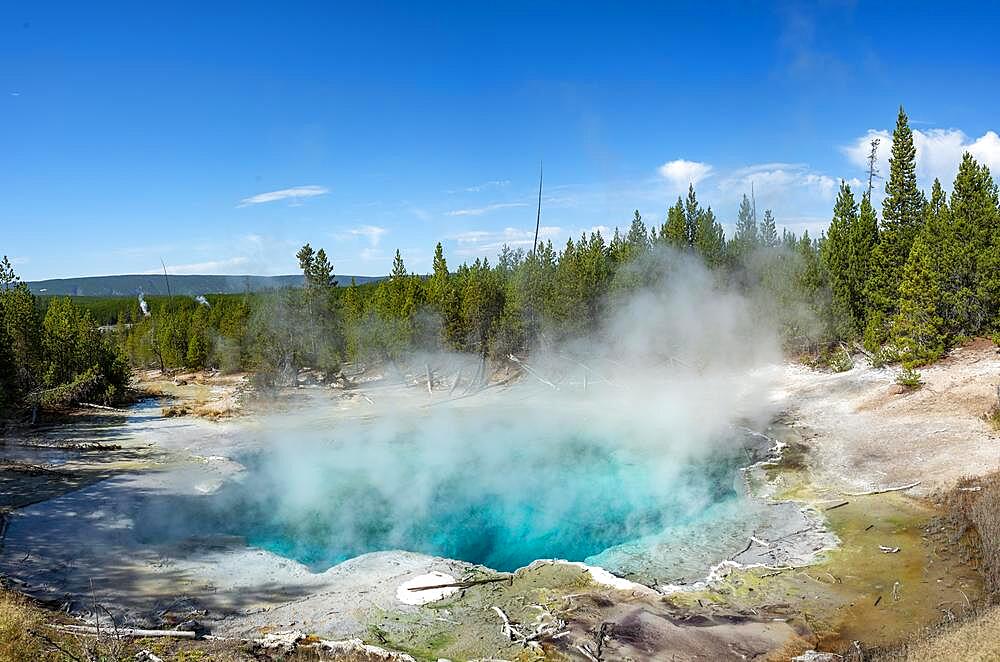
x=221, y=138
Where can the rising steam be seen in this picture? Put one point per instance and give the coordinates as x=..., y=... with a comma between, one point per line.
x=609, y=439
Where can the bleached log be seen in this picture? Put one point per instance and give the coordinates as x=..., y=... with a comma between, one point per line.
x=105, y=408
x=507, y=630
x=531, y=372
x=126, y=632
x=883, y=491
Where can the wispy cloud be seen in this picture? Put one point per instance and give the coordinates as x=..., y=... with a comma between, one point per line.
x=485, y=186
x=779, y=178
x=680, y=172
x=479, y=211
x=212, y=266
x=295, y=194
x=478, y=242
x=373, y=233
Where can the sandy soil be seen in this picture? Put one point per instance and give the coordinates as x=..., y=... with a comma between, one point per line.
x=863, y=434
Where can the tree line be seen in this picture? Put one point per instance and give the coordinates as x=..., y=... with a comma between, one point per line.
x=905, y=284
x=53, y=358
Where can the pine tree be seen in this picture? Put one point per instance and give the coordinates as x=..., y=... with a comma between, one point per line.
x=674, y=232
x=692, y=212
x=918, y=329
x=307, y=258
x=836, y=256
x=746, y=236
x=637, y=237
x=710, y=239
x=20, y=348
x=863, y=240
x=902, y=214
x=768, y=230
x=975, y=221
x=437, y=284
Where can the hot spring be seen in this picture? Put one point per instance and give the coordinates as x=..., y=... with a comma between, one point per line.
x=500, y=486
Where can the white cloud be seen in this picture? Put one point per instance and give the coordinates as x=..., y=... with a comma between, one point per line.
x=939, y=151
x=479, y=211
x=372, y=232
x=680, y=172
x=779, y=179
x=485, y=186
x=212, y=266
x=295, y=194
x=477, y=242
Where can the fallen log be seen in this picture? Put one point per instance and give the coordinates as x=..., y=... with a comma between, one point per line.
x=834, y=507
x=883, y=491
x=125, y=632
x=93, y=406
x=531, y=372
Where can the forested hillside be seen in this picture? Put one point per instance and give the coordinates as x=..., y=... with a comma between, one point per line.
x=905, y=283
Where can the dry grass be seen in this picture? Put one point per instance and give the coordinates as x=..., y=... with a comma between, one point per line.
x=974, y=509
x=18, y=618
x=26, y=636
x=974, y=640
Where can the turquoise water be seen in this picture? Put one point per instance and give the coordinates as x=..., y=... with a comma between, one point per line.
x=570, y=499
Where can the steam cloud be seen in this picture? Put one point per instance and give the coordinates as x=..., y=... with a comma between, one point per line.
x=638, y=437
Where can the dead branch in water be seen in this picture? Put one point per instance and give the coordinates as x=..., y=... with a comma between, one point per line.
x=531, y=372
x=430, y=379
x=834, y=507
x=465, y=584
x=883, y=491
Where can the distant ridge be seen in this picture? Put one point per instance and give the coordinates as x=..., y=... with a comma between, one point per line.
x=188, y=285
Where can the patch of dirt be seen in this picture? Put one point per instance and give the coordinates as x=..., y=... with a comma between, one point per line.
x=208, y=394
x=863, y=434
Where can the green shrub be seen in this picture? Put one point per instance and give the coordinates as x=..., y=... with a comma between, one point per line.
x=909, y=378
x=840, y=360
x=883, y=356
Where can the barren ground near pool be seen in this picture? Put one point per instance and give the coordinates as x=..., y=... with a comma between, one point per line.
x=847, y=433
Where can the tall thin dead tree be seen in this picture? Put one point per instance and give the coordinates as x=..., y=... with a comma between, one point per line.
x=538, y=216
x=872, y=170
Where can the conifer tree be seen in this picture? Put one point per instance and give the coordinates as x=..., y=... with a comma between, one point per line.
x=975, y=221
x=902, y=214
x=692, y=213
x=710, y=238
x=638, y=236
x=746, y=236
x=768, y=230
x=918, y=329
x=863, y=240
x=836, y=256
x=437, y=284
x=673, y=232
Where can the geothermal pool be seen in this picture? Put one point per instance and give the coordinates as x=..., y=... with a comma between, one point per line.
x=499, y=490
x=571, y=500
